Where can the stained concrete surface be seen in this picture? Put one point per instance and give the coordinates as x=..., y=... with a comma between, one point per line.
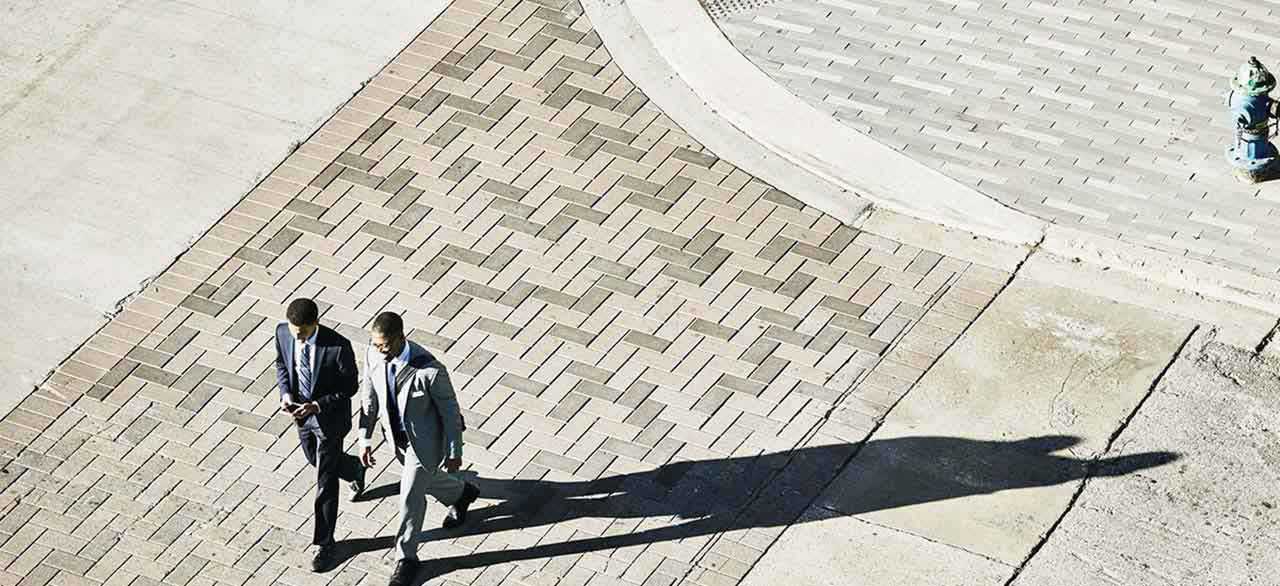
x=892, y=557
x=1039, y=383
x=1213, y=517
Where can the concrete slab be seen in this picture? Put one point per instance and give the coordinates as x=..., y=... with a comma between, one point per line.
x=1212, y=517
x=987, y=450
x=1237, y=325
x=801, y=557
x=132, y=126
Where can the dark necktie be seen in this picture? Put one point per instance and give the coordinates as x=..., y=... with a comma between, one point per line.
x=304, y=373
x=393, y=409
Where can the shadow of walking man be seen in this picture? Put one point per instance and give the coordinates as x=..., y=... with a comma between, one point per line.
x=702, y=497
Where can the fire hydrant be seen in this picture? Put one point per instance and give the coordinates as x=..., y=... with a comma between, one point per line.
x=1252, y=110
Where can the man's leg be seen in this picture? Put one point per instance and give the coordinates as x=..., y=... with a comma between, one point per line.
x=445, y=487
x=414, y=481
x=311, y=448
x=351, y=470
x=307, y=439
x=328, y=462
x=349, y=466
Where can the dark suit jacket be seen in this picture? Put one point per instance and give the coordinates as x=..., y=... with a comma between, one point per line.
x=335, y=378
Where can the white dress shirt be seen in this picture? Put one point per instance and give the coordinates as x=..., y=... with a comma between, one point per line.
x=374, y=359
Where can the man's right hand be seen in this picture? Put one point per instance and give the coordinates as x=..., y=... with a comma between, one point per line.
x=287, y=405
x=366, y=457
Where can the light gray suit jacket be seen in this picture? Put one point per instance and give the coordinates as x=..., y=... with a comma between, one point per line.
x=428, y=405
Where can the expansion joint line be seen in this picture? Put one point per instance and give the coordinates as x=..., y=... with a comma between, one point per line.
x=1092, y=467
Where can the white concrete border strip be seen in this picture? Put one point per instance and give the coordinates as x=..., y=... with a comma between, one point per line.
x=648, y=69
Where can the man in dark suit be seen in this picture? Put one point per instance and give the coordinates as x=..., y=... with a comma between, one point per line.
x=316, y=373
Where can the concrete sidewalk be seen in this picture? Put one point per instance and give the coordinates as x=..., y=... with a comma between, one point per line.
x=130, y=127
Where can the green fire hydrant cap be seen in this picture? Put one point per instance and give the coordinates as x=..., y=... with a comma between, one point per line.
x=1254, y=79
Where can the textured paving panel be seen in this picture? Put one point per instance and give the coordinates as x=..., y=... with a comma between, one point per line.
x=1103, y=115
x=641, y=334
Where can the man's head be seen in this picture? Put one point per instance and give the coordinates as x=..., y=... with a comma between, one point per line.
x=386, y=335
x=304, y=318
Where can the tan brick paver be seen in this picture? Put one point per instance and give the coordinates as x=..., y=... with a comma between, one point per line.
x=611, y=298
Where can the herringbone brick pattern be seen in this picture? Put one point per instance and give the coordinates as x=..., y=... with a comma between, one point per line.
x=1107, y=116
x=612, y=299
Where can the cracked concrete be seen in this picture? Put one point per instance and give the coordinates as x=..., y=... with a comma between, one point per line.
x=1210, y=518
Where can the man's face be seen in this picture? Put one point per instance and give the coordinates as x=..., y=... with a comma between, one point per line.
x=389, y=346
x=302, y=333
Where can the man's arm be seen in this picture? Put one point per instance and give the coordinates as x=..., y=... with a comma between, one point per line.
x=368, y=406
x=450, y=417
x=282, y=369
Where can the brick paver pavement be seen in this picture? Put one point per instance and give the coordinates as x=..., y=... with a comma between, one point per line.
x=612, y=300
x=1106, y=116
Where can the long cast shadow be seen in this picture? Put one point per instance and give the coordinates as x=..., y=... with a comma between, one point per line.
x=696, y=498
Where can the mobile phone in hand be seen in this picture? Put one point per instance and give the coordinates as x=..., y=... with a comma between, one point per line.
x=291, y=407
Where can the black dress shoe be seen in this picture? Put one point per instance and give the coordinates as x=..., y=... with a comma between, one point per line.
x=357, y=485
x=458, y=512
x=405, y=572
x=325, y=558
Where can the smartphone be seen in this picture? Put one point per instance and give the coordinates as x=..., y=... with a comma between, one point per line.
x=292, y=407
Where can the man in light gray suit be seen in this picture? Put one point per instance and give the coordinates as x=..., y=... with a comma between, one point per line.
x=409, y=390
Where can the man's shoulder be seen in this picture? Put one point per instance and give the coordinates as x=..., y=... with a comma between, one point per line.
x=424, y=362
x=421, y=358
x=327, y=336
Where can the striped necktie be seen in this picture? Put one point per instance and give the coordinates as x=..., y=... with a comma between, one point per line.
x=304, y=373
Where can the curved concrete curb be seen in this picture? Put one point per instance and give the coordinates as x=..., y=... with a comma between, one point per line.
x=649, y=70
x=674, y=53
x=690, y=45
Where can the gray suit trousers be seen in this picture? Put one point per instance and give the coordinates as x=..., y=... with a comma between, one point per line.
x=417, y=480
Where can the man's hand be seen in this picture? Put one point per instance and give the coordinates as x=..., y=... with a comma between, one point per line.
x=366, y=457
x=306, y=410
x=287, y=405
x=452, y=465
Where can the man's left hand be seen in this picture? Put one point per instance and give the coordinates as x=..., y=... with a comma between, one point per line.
x=452, y=465
x=306, y=410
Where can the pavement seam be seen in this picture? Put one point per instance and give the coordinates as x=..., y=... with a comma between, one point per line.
x=1266, y=340
x=880, y=421
x=1092, y=465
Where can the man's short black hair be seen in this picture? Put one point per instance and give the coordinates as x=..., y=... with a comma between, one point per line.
x=390, y=324
x=303, y=312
